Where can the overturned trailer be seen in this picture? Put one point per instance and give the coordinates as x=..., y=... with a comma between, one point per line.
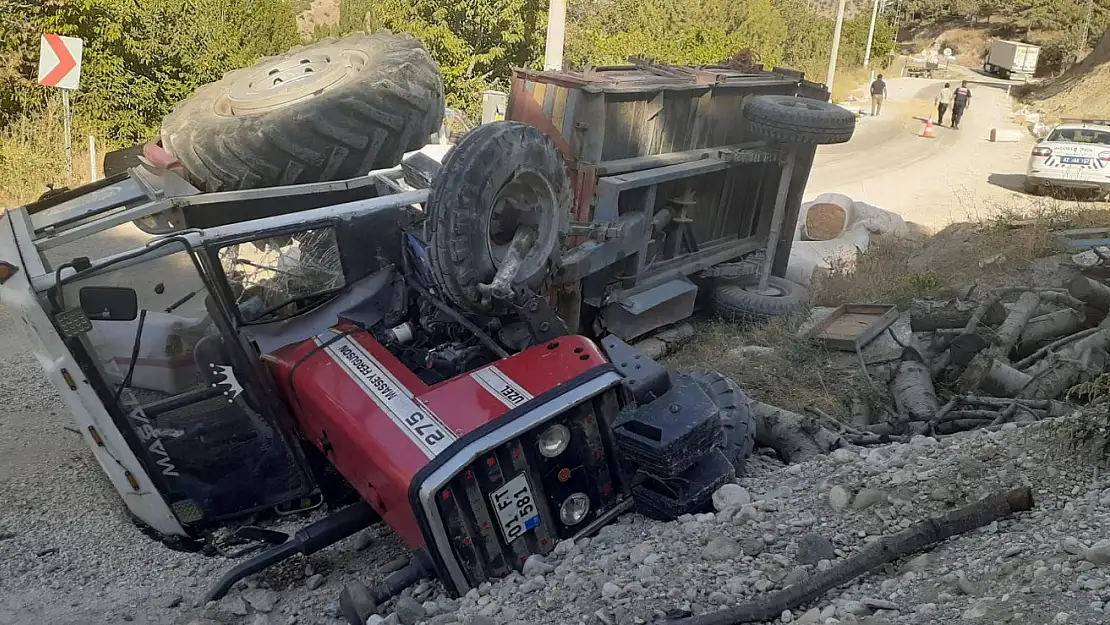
x=680, y=181
x=669, y=152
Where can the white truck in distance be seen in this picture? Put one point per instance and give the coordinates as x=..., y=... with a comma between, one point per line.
x=1011, y=59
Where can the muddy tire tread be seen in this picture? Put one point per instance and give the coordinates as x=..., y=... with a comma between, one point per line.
x=367, y=122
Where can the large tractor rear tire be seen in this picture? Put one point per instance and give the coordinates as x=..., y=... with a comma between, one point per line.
x=332, y=110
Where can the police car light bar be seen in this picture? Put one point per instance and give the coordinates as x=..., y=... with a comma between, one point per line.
x=1079, y=120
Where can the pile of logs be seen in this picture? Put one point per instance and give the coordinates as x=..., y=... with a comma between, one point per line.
x=991, y=363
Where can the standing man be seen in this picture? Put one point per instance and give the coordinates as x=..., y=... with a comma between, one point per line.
x=943, y=98
x=878, y=94
x=961, y=99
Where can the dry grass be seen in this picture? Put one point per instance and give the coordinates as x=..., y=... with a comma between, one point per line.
x=32, y=155
x=855, y=80
x=794, y=375
x=799, y=373
x=995, y=252
x=882, y=274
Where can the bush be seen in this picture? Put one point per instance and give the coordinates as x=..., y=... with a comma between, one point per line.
x=32, y=155
x=140, y=56
x=477, y=43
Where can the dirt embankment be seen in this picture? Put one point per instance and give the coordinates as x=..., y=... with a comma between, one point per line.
x=1083, y=90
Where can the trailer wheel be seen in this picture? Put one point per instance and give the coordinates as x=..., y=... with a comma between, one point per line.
x=736, y=416
x=335, y=109
x=499, y=177
x=791, y=119
x=740, y=300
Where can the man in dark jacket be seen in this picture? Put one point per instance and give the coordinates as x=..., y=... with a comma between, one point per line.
x=878, y=94
x=961, y=99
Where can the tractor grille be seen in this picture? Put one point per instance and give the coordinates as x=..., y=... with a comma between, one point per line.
x=589, y=465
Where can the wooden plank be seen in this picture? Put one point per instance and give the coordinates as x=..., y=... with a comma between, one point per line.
x=852, y=326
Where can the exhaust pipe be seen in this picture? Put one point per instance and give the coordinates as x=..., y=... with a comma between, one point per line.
x=308, y=540
x=357, y=601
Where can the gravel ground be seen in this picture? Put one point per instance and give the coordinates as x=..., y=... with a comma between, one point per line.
x=69, y=555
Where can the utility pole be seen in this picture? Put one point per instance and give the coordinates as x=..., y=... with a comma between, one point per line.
x=835, y=46
x=556, y=33
x=870, y=35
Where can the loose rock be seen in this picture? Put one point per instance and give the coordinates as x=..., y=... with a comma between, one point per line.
x=261, y=599
x=721, y=548
x=813, y=548
x=1099, y=553
x=409, y=611
x=839, y=498
x=867, y=498
x=535, y=565
x=730, y=497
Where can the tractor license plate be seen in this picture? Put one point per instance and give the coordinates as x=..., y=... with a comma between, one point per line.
x=516, y=509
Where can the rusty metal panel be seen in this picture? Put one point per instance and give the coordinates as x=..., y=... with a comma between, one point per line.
x=650, y=109
x=608, y=114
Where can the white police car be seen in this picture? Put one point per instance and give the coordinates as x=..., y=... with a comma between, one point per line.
x=1075, y=155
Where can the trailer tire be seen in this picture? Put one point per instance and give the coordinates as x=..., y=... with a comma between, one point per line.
x=370, y=99
x=790, y=119
x=736, y=416
x=738, y=300
x=499, y=176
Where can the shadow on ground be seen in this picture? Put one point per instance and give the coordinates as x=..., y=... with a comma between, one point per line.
x=1013, y=182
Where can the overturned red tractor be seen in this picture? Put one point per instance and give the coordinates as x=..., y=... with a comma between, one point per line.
x=439, y=343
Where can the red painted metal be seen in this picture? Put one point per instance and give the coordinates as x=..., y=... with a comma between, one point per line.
x=368, y=448
x=523, y=107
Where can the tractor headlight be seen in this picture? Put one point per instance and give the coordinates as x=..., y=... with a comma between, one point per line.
x=574, y=509
x=554, y=441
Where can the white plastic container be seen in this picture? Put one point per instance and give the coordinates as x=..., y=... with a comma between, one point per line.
x=165, y=361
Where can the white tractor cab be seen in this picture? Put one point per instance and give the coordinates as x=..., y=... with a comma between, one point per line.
x=123, y=322
x=1074, y=155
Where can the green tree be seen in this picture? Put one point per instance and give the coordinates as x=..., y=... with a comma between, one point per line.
x=677, y=31
x=140, y=56
x=477, y=43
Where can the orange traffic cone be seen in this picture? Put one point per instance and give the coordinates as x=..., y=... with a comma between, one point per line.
x=928, y=131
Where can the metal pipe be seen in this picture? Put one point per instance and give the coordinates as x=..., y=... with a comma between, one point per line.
x=502, y=285
x=777, y=218
x=93, y=177
x=308, y=540
x=357, y=601
x=69, y=134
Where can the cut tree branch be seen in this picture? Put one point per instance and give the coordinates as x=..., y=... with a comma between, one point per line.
x=1044, y=351
x=915, y=538
x=1010, y=330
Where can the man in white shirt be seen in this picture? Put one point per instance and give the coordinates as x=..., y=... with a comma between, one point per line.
x=943, y=98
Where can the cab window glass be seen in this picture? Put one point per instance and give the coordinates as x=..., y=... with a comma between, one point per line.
x=1080, y=135
x=278, y=277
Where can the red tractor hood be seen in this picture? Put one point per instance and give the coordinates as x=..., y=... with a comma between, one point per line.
x=379, y=424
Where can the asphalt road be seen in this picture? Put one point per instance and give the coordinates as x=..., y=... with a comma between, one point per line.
x=956, y=176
